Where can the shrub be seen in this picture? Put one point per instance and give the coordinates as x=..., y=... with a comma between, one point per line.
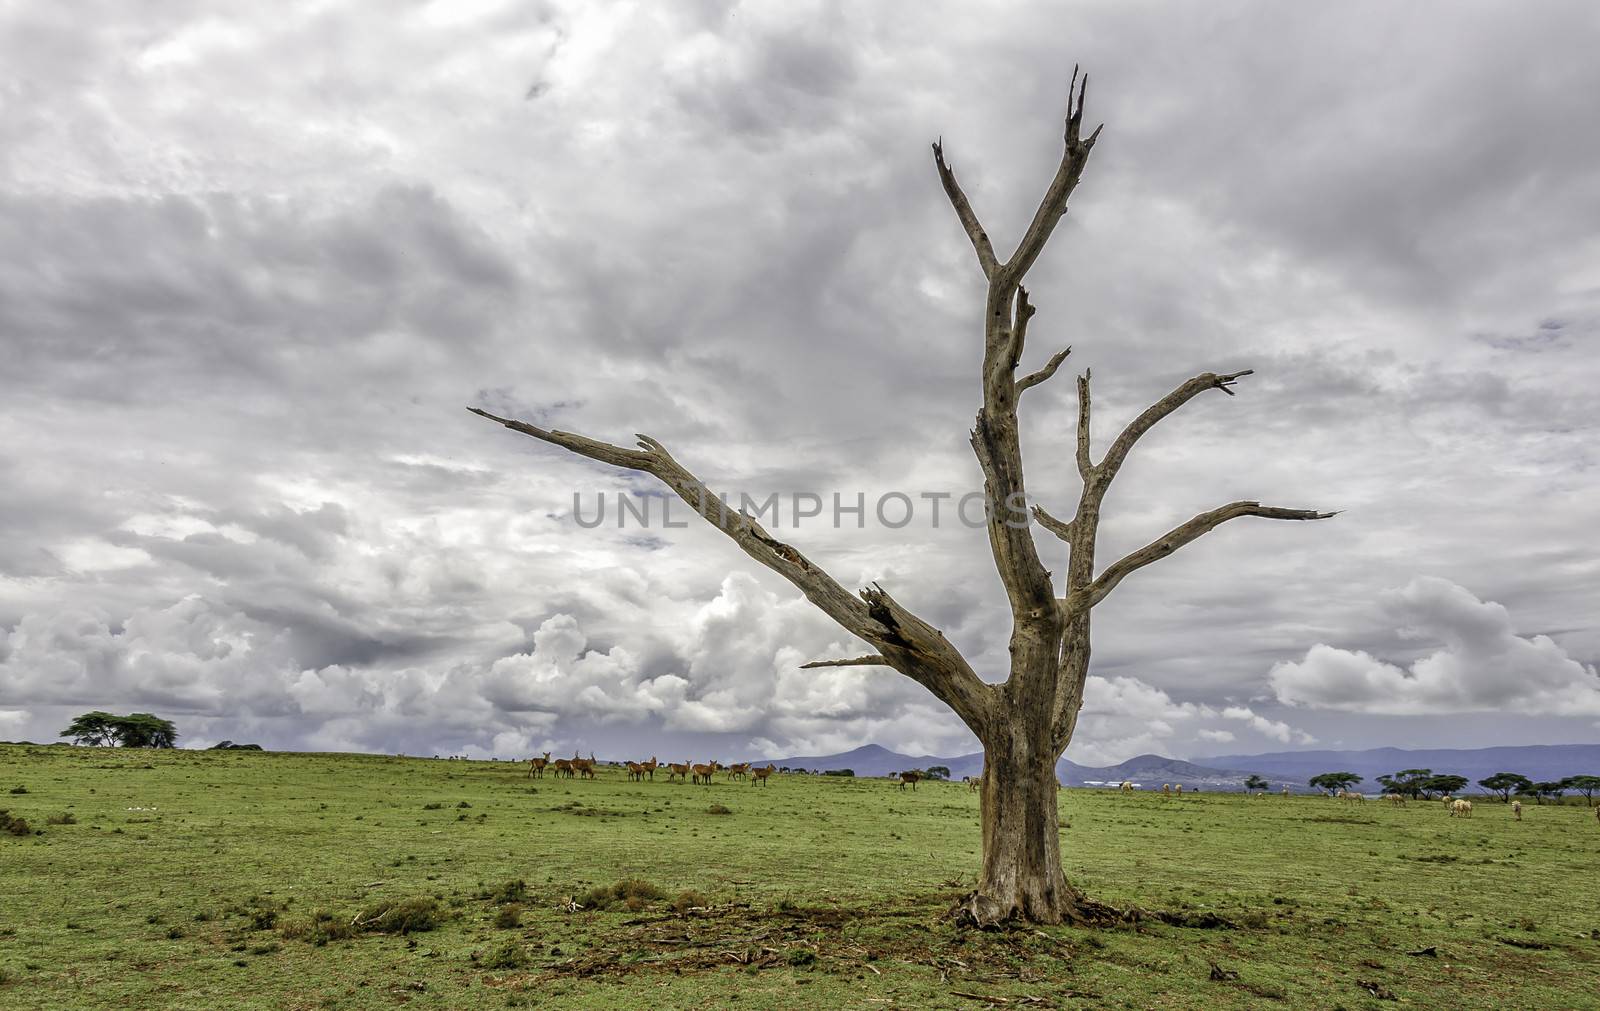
x=19, y=790
x=509, y=955
x=509, y=917
x=634, y=893
x=321, y=928
x=510, y=891
x=13, y=824
x=64, y=818
x=687, y=900
x=407, y=916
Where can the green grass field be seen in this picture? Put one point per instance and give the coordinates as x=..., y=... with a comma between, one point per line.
x=248, y=880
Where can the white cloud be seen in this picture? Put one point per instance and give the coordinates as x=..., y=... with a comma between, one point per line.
x=1125, y=716
x=1480, y=665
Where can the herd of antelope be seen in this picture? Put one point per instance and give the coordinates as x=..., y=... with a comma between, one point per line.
x=638, y=772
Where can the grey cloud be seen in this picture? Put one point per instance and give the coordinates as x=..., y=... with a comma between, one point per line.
x=244, y=305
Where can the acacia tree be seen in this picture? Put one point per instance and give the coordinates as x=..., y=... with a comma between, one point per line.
x=1505, y=784
x=1025, y=720
x=1333, y=782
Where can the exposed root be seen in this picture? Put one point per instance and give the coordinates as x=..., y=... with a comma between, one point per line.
x=981, y=912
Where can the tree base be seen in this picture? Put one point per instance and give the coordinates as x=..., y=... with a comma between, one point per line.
x=976, y=911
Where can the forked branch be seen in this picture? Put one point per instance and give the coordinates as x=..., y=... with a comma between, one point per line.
x=1074, y=156
x=1176, y=538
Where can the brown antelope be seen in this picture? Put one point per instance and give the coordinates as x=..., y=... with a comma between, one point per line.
x=761, y=775
x=973, y=782
x=536, y=766
x=650, y=767
x=635, y=772
x=703, y=773
x=909, y=777
x=563, y=768
x=674, y=769
x=739, y=770
x=584, y=767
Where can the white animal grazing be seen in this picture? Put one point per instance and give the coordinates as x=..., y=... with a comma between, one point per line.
x=1516, y=809
x=1461, y=809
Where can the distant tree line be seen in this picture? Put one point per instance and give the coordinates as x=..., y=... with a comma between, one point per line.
x=1425, y=784
x=136, y=730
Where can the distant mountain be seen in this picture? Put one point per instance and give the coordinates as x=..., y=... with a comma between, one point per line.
x=873, y=760
x=1146, y=770
x=1225, y=772
x=1536, y=761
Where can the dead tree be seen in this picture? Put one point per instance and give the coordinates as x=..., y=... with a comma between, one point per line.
x=1025, y=721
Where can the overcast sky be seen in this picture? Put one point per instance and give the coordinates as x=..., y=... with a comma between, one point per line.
x=254, y=267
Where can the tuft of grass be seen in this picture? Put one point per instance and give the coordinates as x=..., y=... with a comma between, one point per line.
x=718, y=809
x=64, y=818
x=18, y=791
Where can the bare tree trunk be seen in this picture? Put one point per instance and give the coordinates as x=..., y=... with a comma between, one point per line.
x=1026, y=722
x=1021, y=875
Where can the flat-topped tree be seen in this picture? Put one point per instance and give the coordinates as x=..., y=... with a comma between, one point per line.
x=1025, y=721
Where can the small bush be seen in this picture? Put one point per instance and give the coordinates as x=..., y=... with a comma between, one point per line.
x=433, y=807
x=509, y=891
x=509, y=955
x=408, y=916
x=718, y=809
x=321, y=928
x=687, y=900
x=463, y=804
x=634, y=893
x=508, y=917
x=19, y=790
x=14, y=824
x=800, y=957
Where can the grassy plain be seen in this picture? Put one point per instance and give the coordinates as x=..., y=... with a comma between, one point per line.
x=232, y=880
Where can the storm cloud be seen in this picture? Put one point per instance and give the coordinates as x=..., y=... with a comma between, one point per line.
x=256, y=265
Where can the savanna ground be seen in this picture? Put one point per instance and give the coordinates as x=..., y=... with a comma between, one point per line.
x=249, y=880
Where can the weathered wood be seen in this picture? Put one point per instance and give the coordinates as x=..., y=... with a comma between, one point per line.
x=873, y=660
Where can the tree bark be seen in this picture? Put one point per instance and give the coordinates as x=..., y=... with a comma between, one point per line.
x=1021, y=875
